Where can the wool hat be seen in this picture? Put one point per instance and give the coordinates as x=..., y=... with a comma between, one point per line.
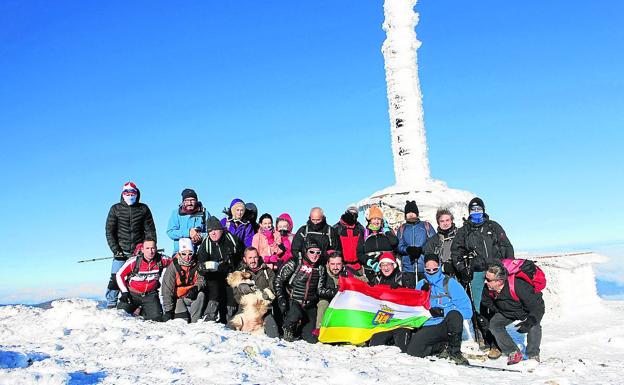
x=188, y=193
x=387, y=257
x=129, y=187
x=411, y=207
x=431, y=257
x=312, y=244
x=251, y=207
x=353, y=208
x=185, y=244
x=476, y=202
x=374, y=212
x=237, y=202
x=213, y=224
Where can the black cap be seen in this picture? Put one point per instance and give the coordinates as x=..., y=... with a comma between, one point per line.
x=312, y=244
x=213, y=223
x=188, y=193
x=476, y=201
x=411, y=207
x=431, y=257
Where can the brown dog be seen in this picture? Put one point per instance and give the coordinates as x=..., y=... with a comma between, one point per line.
x=253, y=306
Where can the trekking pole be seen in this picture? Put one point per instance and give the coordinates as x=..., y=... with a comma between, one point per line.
x=475, y=327
x=95, y=259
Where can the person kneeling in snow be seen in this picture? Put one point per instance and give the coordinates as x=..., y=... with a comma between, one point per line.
x=527, y=306
x=299, y=284
x=182, y=286
x=450, y=306
x=138, y=280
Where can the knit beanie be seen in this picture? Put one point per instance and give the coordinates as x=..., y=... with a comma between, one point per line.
x=129, y=187
x=374, y=212
x=476, y=202
x=411, y=207
x=188, y=193
x=213, y=224
x=185, y=244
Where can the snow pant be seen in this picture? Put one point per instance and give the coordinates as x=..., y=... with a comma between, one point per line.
x=112, y=291
x=321, y=309
x=149, y=303
x=190, y=310
x=498, y=323
x=221, y=305
x=476, y=285
x=429, y=340
x=398, y=337
x=301, y=318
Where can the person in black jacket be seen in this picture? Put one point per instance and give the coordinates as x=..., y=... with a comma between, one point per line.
x=298, y=286
x=318, y=230
x=128, y=224
x=477, y=241
x=529, y=308
x=350, y=233
x=219, y=254
x=439, y=245
x=376, y=241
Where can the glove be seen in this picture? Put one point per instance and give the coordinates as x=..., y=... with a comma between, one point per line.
x=436, y=312
x=282, y=247
x=283, y=305
x=394, y=285
x=465, y=276
x=371, y=283
x=425, y=286
x=124, y=297
x=167, y=316
x=245, y=288
x=447, y=268
x=373, y=265
x=192, y=293
x=526, y=325
x=414, y=252
x=120, y=256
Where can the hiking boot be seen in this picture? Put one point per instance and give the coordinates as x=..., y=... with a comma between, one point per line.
x=494, y=354
x=458, y=359
x=289, y=335
x=536, y=358
x=444, y=354
x=514, y=358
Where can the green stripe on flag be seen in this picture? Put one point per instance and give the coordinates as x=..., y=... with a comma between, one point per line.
x=364, y=319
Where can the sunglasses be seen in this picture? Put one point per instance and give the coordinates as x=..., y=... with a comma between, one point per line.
x=129, y=192
x=491, y=280
x=186, y=254
x=314, y=252
x=434, y=270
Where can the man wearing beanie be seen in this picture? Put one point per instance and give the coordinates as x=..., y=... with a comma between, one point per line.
x=219, y=254
x=449, y=307
x=350, y=233
x=413, y=235
x=440, y=245
x=128, y=224
x=188, y=220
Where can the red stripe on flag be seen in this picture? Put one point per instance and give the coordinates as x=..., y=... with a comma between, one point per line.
x=401, y=296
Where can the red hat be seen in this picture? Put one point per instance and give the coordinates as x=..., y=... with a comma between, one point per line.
x=129, y=186
x=387, y=257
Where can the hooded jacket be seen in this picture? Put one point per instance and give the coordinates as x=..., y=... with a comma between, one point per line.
x=455, y=299
x=127, y=226
x=181, y=223
x=285, y=253
x=350, y=235
x=416, y=235
x=325, y=235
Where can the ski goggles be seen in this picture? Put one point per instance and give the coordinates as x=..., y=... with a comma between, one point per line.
x=432, y=271
x=476, y=209
x=129, y=192
x=314, y=252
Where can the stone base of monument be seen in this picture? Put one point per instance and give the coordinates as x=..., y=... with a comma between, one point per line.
x=429, y=195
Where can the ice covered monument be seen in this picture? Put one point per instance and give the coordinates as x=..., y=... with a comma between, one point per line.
x=407, y=126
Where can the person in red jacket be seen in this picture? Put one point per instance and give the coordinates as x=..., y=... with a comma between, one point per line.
x=138, y=280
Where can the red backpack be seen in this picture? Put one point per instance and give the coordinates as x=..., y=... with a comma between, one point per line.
x=527, y=271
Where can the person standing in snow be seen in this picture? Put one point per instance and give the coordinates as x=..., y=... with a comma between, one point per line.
x=529, y=308
x=317, y=229
x=413, y=235
x=376, y=241
x=350, y=233
x=138, y=280
x=235, y=223
x=298, y=286
x=440, y=245
x=283, y=227
x=128, y=224
x=188, y=220
x=218, y=255
x=182, y=285
x=449, y=307
x=267, y=241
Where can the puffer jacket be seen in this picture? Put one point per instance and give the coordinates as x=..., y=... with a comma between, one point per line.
x=453, y=299
x=308, y=282
x=127, y=226
x=243, y=230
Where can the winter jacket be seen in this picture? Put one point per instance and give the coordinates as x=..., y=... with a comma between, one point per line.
x=301, y=281
x=350, y=236
x=440, y=244
x=177, y=281
x=396, y=278
x=127, y=226
x=324, y=234
x=455, y=299
x=227, y=251
x=267, y=245
x=415, y=235
x=180, y=224
x=530, y=304
x=243, y=230
x=482, y=241
x=285, y=253
x=375, y=243
x=263, y=277
x=147, y=278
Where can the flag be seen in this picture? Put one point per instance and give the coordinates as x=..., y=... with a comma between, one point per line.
x=358, y=311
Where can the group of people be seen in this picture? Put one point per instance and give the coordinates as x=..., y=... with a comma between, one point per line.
x=460, y=268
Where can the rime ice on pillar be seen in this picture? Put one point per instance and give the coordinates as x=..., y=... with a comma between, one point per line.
x=409, y=143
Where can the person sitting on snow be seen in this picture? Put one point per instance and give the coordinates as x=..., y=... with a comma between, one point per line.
x=138, y=280
x=182, y=285
x=529, y=308
x=449, y=307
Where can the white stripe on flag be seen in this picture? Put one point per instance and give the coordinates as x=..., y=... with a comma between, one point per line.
x=353, y=300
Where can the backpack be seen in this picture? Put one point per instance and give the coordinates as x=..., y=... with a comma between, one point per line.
x=527, y=271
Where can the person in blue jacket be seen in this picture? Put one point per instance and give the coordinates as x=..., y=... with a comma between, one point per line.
x=450, y=306
x=188, y=220
x=413, y=235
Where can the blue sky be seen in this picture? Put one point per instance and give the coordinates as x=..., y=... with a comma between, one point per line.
x=284, y=104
